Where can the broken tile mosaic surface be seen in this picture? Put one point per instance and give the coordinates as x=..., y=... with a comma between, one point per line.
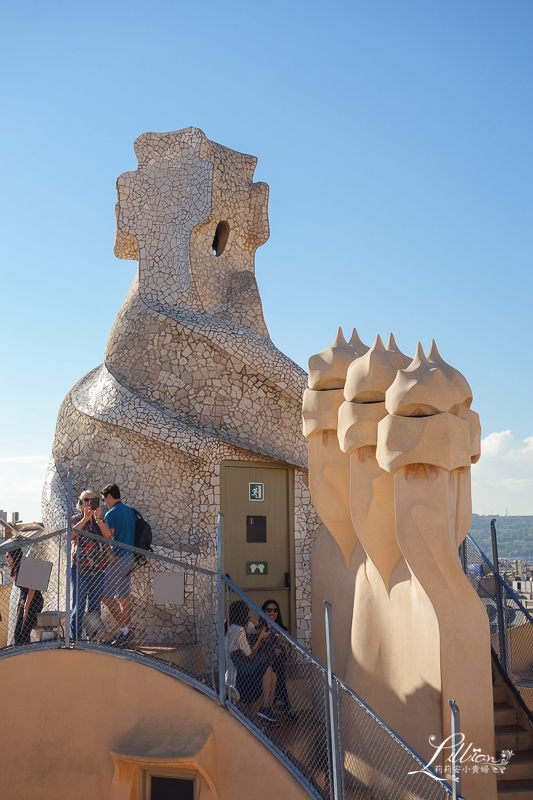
x=190, y=376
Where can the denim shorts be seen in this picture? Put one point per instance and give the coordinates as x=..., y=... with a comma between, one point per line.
x=117, y=577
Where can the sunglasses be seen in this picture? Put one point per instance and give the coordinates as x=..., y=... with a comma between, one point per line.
x=271, y=609
x=87, y=499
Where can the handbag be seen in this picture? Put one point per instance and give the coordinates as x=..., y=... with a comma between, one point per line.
x=110, y=557
x=245, y=666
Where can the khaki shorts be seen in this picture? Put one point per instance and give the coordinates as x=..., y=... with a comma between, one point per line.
x=118, y=576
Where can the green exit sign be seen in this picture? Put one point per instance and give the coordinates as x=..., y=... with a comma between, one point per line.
x=256, y=491
x=257, y=567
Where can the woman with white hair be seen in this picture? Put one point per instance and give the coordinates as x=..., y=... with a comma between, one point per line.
x=88, y=564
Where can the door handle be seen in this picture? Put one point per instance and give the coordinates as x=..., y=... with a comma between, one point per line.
x=287, y=580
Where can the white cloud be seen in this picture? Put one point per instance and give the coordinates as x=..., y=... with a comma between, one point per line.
x=496, y=443
x=25, y=460
x=502, y=481
x=513, y=484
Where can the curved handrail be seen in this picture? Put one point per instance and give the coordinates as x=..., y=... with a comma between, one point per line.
x=522, y=648
x=508, y=589
x=21, y=540
x=149, y=554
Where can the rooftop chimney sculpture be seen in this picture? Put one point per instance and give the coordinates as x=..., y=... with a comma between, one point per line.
x=190, y=376
x=391, y=442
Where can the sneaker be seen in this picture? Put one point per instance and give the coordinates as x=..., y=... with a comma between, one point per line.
x=268, y=715
x=290, y=714
x=121, y=639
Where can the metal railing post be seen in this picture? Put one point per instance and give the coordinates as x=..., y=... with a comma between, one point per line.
x=69, y=558
x=499, y=599
x=77, y=585
x=456, y=748
x=462, y=555
x=221, y=648
x=212, y=626
x=333, y=728
x=58, y=584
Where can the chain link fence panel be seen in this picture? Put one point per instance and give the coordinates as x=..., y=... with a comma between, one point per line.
x=32, y=599
x=150, y=606
x=375, y=763
x=165, y=613
x=277, y=687
x=517, y=638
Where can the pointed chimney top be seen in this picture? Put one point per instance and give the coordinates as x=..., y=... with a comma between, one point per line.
x=327, y=370
x=456, y=377
x=393, y=347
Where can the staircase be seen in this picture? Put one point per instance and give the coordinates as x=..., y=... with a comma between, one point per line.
x=512, y=655
x=513, y=732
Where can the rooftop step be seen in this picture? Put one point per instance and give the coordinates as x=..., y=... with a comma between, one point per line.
x=498, y=692
x=512, y=737
x=515, y=790
x=189, y=657
x=505, y=714
x=520, y=768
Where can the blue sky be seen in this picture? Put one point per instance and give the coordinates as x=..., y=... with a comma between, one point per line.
x=396, y=140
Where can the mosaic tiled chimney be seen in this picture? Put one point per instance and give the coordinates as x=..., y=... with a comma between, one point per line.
x=190, y=376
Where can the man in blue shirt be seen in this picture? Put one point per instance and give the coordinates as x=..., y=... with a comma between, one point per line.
x=120, y=523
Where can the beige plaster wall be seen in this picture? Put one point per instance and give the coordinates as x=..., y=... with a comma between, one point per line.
x=81, y=725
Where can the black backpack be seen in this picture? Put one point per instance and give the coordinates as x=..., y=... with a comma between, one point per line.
x=143, y=537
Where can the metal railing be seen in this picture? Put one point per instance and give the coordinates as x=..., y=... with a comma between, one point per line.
x=167, y=606
x=190, y=622
x=375, y=762
x=511, y=624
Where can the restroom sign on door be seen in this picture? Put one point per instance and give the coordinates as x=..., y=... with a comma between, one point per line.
x=257, y=567
x=256, y=491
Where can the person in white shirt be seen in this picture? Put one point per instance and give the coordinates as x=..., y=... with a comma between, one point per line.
x=246, y=672
x=14, y=599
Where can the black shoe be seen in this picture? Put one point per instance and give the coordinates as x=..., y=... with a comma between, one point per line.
x=121, y=639
x=290, y=714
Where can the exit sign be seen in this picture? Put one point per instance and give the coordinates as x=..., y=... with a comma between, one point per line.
x=256, y=491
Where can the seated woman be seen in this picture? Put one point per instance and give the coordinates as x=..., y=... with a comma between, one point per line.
x=246, y=671
x=30, y=603
x=278, y=657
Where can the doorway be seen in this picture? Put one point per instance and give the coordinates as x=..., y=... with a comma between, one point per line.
x=258, y=506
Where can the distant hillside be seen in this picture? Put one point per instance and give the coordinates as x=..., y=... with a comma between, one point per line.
x=515, y=535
